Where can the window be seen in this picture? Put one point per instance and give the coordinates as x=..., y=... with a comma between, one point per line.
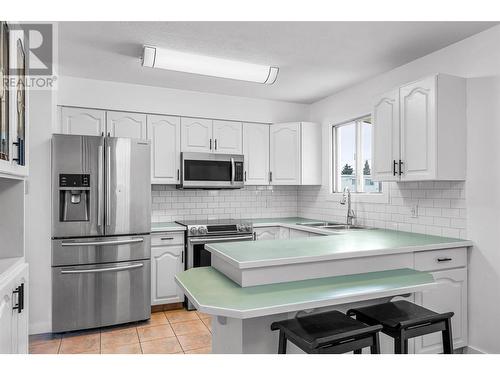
x=352, y=157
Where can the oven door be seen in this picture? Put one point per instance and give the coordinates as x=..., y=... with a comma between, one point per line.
x=197, y=256
x=211, y=171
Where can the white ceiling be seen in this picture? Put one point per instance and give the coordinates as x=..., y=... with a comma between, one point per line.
x=316, y=59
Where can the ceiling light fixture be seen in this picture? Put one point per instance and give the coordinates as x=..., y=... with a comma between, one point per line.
x=154, y=57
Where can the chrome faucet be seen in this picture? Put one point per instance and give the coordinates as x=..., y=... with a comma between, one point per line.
x=346, y=197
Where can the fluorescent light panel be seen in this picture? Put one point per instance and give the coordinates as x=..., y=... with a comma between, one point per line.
x=209, y=66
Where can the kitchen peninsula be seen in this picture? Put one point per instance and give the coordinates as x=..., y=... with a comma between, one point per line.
x=252, y=284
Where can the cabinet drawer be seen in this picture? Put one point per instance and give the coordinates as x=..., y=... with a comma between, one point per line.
x=441, y=259
x=167, y=238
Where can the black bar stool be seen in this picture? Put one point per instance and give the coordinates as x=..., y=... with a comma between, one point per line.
x=327, y=333
x=403, y=320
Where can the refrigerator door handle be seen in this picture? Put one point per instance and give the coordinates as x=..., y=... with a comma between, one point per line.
x=102, y=243
x=99, y=185
x=108, y=179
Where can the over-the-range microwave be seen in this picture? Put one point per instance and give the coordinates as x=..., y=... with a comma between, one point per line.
x=201, y=170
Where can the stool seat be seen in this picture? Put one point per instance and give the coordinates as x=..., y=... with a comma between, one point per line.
x=315, y=331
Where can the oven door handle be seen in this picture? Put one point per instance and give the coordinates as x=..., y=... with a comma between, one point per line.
x=103, y=243
x=196, y=241
x=107, y=269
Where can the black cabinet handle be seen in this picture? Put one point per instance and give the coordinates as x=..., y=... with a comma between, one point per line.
x=20, y=151
x=400, y=167
x=245, y=175
x=394, y=167
x=270, y=177
x=216, y=144
x=444, y=259
x=210, y=143
x=20, y=298
x=167, y=238
x=178, y=174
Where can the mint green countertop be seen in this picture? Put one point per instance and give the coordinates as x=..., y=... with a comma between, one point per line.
x=271, y=221
x=167, y=227
x=347, y=244
x=213, y=293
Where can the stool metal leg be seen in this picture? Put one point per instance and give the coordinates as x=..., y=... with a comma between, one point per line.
x=358, y=351
x=282, y=343
x=375, y=348
x=447, y=338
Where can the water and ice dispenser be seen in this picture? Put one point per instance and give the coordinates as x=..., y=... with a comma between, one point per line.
x=74, y=197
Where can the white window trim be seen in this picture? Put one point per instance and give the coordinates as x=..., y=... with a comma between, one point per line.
x=382, y=197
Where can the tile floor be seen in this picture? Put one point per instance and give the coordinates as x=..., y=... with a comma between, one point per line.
x=167, y=332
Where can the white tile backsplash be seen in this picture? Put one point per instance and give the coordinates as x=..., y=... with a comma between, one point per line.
x=441, y=208
x=170, y=204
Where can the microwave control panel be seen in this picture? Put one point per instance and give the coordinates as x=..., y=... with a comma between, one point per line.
x=238, y=171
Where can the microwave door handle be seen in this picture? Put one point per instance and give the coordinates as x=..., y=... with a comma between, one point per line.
x=232, y=171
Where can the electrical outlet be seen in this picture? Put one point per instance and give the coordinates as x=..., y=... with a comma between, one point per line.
x=414, y=211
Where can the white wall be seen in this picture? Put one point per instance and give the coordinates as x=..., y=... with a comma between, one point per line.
x=478, y=59
x=123, y=96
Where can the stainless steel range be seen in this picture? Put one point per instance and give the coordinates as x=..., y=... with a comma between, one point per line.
x=201, y=232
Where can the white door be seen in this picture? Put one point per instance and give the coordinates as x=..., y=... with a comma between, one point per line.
x=285, y=153
x=418, y=130
x=385, y=142
x=227, y=137
x=166, y=262
x=164, y=132
x=83, y=121
x=256, y=152
x=196, y=135
x=6, y=316
x=268, y=233
x=449, y=295
x=126, y=124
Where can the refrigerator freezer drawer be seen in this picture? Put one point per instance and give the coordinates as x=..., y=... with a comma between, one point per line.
x=101, y=295
x=100, y=250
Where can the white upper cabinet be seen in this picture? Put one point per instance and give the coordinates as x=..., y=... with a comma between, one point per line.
x=126, y=124
x=424, y=137
x=295, y=153
x=196, y=135
x=256, y=152
x=227, y=137
x=386, y=137
x=83, y=121
x=165, y=137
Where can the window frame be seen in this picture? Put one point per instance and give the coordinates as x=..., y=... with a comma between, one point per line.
x=365, y=197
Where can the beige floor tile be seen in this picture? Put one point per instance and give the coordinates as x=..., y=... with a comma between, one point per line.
x=44, y=338
x=191, y=342
x=48, y=347
x=80, y=342
x=122, y=349
x=119, y=336
x=202, y=315
x=157, y=318
x=177, y=316
x=207, y=350
x=168, y=345
x=156, y=332
x=208, y=323
x=195, y=327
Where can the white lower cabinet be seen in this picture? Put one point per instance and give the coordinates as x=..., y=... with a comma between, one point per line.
x=294, y=233
x=14, y=312
x=166, y=262
x=449, y=295
x=267, y=233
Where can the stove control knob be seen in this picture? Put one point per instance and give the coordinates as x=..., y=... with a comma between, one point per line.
x=248, y=227
x=193, y=230
x=202, y=230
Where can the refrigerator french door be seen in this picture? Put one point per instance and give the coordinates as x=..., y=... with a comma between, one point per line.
x=101, y=186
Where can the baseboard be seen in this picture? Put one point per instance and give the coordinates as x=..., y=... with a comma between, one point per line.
x=471, y=350
x=166, y=307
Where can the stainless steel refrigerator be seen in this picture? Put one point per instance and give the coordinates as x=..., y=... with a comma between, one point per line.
x=101, y=221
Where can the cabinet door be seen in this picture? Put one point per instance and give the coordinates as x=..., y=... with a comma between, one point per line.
x=449, y=295
x=83, y=121
x=227, y=137
x=6, y=316
x=385, y=138
x=418, y=130
x=166, y=262
x=285, y=153
x=196, y=135
x=269, y=233
x=294, y=233
x=256, y=152
x=164, y=132
x=126, y=125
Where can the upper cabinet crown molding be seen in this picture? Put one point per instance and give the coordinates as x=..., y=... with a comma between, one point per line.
x=420, y=130
x=295, y=153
